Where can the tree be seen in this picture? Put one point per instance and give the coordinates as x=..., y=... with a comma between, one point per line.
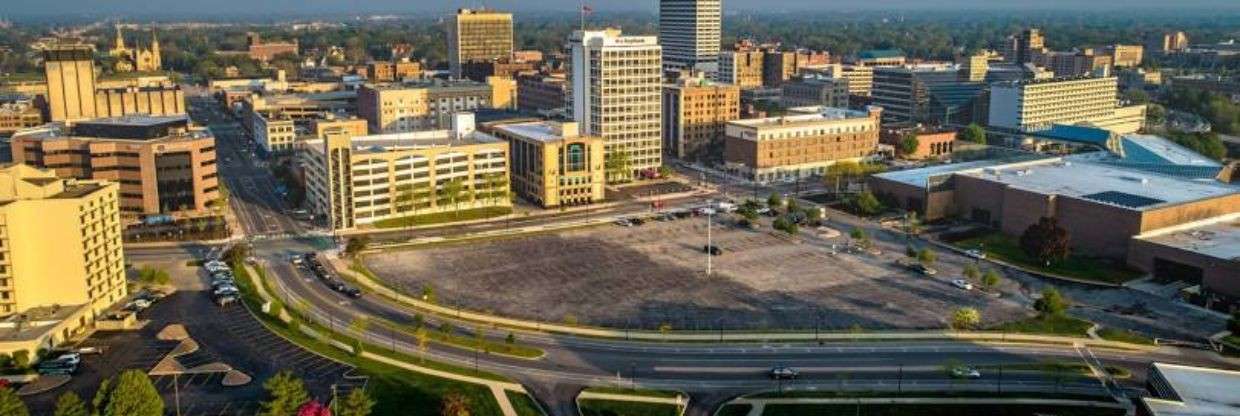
x=10, y=404
x=912, y=252
x=1052, y=303
x=991, y=278
x=454, y=404
x=450, y=193
x=356, y=403
x=428, y=293
x=69, y=404
x=927, y=256
x=664, y=171
x=423, y=336
x=1045, y=241
x=313, y=408
x=285, y=394
x=237, y=254
x=909, y=145
x=618, y=166
x=406, y=199
x=973, y=133
x=859, y=236
x=774, y=201
x=966, y=318
x=355, y=245
x=971, y=271
x=498, y=187
x=866, y=204
x=1136, y=96
x=510, y=339
x=21, y=358
x=128, y=394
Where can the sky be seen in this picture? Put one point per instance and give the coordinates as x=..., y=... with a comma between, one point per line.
x=268, y=7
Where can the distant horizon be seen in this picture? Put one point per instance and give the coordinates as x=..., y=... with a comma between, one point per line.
x=269, y=9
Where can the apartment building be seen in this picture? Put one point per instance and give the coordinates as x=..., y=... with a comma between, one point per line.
x=552, y=165
x=800, y=145
x=163, y=165
x=809, y=90
x=617, y=95
x=690, y=32
x=358, y=181
x=1037, y=104
x=478, y=35
x=61, y=260
x=695, y=114
x=740, y=67
x=860, y=78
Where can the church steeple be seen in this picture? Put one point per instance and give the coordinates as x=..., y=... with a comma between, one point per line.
x=120, y=38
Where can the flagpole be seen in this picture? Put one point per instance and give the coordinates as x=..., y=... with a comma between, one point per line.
x=583, y=16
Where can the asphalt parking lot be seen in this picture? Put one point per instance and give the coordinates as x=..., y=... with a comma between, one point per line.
x=229, y=335
x=642, y=277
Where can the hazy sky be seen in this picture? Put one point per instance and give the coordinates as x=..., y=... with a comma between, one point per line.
x=268, y=7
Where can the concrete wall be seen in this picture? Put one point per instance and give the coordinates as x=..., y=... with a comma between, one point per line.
x=1219, y=278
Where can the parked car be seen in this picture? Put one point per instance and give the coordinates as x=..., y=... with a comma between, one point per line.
x=89, y=350
x=921, y=268
x=783, y=373
x=55, y=368
x=69, y=358
x=963, y=284
x=712, y=250
x=962, y=371
x=225, y=300
x=137, y=305
x=975, y=253
x=352, y=292
x=297, y=260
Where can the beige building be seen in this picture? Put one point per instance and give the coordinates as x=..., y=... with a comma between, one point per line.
x=617, y=94
x=860, y=77
x=1128, y=56
x=391, y=109
x=742, y=68
x=973, y=68
x=61, y=260
x=800, y=145
x=503, y=92
x=694, y=116
x=163, y=165
x=162, y=100
x=136, y=59
x=18, y=115
x=1161, y=42
x=811, y=90
x=1037, y=104
x=358, y=181
x=70, y=71
x=1075, y=64
x=478, y=35
x=552, y=165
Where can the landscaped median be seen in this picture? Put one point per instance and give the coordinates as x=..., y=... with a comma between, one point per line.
x=444, y=217
x=603, y=401
x=399, y=382
x=358, y=273
x=802, y=403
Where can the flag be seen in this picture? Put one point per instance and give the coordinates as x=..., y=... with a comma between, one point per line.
x=585, y=9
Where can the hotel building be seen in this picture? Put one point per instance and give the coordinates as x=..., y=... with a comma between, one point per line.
x=1037, y=104
x=802, y=144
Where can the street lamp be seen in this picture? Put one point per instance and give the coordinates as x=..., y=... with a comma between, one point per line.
x=709, y=245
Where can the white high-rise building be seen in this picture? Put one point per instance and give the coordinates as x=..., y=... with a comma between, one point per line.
x=617, y=95
x=689, y=31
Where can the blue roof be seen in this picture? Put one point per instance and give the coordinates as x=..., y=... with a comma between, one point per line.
x=1137, y=151
x=1078, y=134
x=880, y=53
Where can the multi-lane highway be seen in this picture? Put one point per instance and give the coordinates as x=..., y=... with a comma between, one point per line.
x=711, y=372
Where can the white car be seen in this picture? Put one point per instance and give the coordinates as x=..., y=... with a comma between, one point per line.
x=963, y=284
x=71, y=358
x=965, y=372
x=975, y=253
x=624, y=223
x=138, y=305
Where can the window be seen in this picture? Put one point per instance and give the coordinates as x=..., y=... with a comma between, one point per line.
x=576, y=157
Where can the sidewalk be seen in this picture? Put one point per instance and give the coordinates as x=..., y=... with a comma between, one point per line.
x=680, y=401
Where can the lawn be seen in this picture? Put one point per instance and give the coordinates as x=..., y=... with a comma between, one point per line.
x=934, y=410
x=1121, y=335
x=444, y=217
x=1048, y=325
x=591, y=407
x=395, y=390
x=523, y=404
x=637, y=392
x=1007, y=249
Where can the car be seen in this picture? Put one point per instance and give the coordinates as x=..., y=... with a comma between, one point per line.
x=352, y=292
x=637, y=221
x=89, y=350
x=69, y=358
x=921, y=268
x=297, y=260
x=962, y=371
x=225, y=300
x=712, y=250
x=53, y=367
x=783, y=373
x=623, y=223
x=975, y=253
x=963, y=284
x=137, y=305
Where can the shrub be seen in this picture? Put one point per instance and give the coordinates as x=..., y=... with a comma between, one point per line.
x=1052, y=303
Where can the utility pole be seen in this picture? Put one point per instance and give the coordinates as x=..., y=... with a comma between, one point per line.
x=709, y=245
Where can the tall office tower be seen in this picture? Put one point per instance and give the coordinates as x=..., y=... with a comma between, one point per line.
x=689, y=31
x=64, y=265
x=478, y=35
x=70, y=74
x=616, y=95
x=1023, y=48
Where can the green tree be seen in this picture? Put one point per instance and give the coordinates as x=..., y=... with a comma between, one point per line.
x=451, y=193
x=1052, y=303
x=510, y=339
x=774, y=201
x=1045, y=240
x=927, y=256
x=128, y=394
x=405, y=200
x=285, y=393
x=355, y=245
x=859, y=236
x=866, y=204
x=991, y=278
x=428, y=293
x=971, y=271
x=912, y=252
x=237, y=254
x=973, y=133
x=909, y=145
x=423, y=335
x=10, y=404
x=21, y=358
x=497, y=188
x=966, y=318
x=356, y=403
x=69, y=404
x=1136, y=96
x=618, y=166
x=454, y=404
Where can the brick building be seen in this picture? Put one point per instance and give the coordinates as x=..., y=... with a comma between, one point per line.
x=802, y=144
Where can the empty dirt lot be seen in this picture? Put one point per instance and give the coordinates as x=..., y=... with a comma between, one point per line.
x=653, y=274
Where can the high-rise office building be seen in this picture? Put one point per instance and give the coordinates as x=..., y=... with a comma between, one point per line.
x=1038, y=104
x=478, y=35
x=616, y=95
x=63, y=261
x=1024, y=47
x=70, y=71
x=904, y=91
x=689, y=31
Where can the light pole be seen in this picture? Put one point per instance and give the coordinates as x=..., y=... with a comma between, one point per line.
x=709, y=247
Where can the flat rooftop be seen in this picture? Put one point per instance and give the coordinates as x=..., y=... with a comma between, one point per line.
x=539, y=131
x=803, y=115
x=1218, y=238
x=1126, y=188
x=919, y=176
x=392, y=142
x=1202, y=391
